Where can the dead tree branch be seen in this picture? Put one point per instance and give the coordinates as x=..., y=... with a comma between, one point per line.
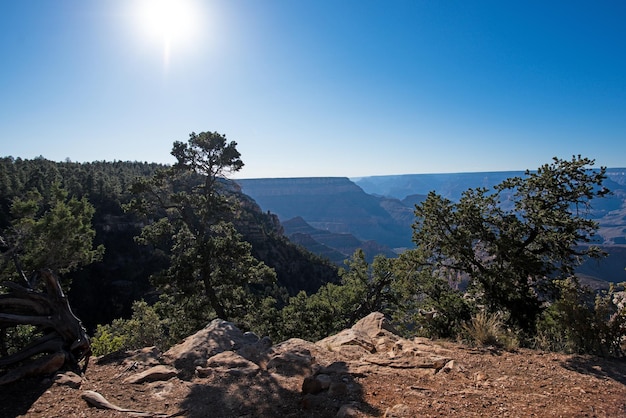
x=63, y=341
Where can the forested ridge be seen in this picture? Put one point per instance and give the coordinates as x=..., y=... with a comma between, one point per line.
x=105, y=290
x=151, y=253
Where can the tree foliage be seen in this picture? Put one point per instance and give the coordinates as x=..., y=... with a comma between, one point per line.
x=430, y=304
x=56, y=234
x=363, y=289
x=511, y=243
x=582, y=321
x=212, y=271
x=145, y=328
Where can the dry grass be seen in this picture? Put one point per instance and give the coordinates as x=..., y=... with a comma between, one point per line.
x=487, y=329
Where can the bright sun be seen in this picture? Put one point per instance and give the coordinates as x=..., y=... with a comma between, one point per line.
x=170, y=24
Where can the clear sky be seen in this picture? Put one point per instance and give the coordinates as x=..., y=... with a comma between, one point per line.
x=317, y=87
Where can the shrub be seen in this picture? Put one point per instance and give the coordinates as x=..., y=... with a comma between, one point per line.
x=583, y=322
x=145, y=328
x=108, y=338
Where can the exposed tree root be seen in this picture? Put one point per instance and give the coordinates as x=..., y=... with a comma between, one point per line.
x=64, y=341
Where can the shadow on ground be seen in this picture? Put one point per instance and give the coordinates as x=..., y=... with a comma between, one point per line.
x=605, y=368
x=268, y=394
x=18, y=397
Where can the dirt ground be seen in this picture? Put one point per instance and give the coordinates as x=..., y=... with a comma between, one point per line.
x=479, y=383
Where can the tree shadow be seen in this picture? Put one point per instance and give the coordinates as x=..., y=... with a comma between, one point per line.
x=277, y=393
x=604, y=368
x=18, y=397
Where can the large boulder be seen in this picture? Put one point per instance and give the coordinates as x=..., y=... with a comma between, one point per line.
x=218, y=336
x=373, y=343
x=369, y=335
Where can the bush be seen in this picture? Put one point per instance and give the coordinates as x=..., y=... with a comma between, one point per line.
x=144, y=329
x=583, y=322
x=109, y=338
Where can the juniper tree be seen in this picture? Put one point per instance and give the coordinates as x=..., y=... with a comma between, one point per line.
x=211, y=271
x=512, y=242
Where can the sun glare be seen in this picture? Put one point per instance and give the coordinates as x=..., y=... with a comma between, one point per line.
x=169, y=24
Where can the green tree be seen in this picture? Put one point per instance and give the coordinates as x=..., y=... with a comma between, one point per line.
x=368, y=288
x=56, y=234
x=364, y=288
x=212, y=271
x=432, y=305
x=512, y=243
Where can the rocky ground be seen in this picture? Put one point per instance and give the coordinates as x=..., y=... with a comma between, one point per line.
x=365, y=371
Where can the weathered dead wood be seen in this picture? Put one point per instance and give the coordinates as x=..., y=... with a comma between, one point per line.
x=97, y=400
x=43, y=365
x=64, y=339
x=49, y=343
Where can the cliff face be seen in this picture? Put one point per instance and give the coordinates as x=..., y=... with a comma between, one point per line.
x=336, y=247
x=296, y=269
x=333, y=204
x=302, y=186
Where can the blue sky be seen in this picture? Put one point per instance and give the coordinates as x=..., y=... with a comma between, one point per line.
x=317, y=87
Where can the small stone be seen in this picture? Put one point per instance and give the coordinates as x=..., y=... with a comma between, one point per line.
x=450, y=366
x=70, y=379
x=337, y=389
x=398, y=411
x=311, y=385
x=348, y=411
x=324, y=379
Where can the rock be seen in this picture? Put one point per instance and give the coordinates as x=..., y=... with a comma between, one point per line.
x=425, y=361
x=148, y=356
x=450, y=367
x=153, y=374
x=70, y=379
x=425, y=344
x=374, y=325
x=295, y=345
x=216, y=337
x=337, y=389
x=324, y=379
x=337, y=367
x=228, y=362
x=348, y=411
x=311, y=385
x=371, y=334
x=291, y=364
x=481, y=379
x=311, y=401
x=398, y=411
x=250, y=337
x=350, y=338
x=256, y=351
